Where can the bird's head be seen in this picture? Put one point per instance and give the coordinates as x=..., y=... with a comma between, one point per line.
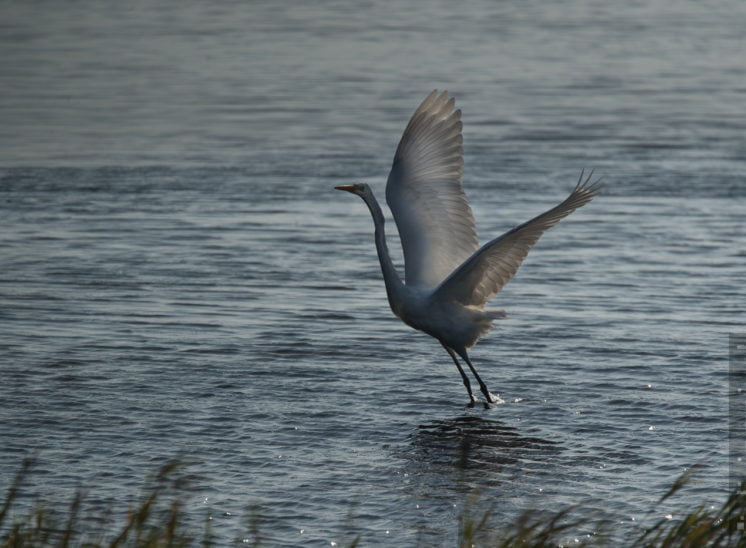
x=361, y=189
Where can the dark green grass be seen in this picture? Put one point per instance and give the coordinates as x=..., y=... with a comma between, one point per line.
x=701, y=527
x=156, y=519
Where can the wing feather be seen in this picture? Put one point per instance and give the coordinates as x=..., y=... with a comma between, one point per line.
x=487, y=271
x=424, y=193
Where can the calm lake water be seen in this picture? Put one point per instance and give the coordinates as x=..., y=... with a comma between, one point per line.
x=177, y=276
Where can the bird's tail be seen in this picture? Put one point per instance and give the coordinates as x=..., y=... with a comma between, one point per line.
x=481, y=323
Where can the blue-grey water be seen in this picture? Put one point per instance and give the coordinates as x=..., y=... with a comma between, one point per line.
x=177, y=276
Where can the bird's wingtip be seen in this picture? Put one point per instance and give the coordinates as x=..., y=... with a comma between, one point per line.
x=589, y=185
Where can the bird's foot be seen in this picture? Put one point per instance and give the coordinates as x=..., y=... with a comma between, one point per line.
x=491, y=398
x=473, y=401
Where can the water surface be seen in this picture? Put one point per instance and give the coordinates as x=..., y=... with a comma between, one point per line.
x=179, y=278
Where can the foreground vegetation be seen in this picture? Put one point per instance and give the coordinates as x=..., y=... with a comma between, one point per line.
x=157, y=520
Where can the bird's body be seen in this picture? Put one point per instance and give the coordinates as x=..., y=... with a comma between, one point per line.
x=448, y=278
x=454, y=324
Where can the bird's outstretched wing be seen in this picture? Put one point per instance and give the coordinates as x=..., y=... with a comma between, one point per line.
x=423, y=191
x=485, y=273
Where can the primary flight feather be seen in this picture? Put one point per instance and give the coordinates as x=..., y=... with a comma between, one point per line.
x=448, y=278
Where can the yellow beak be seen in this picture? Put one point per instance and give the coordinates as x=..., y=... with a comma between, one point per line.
x=348, y=188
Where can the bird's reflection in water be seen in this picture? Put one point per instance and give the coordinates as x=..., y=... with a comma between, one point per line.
x=448, y=463
x=474, y=450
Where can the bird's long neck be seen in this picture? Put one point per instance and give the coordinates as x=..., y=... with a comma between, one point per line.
x=394, y=285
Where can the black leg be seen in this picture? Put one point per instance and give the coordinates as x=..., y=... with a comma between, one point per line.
x=464, y=378
x=482, y=386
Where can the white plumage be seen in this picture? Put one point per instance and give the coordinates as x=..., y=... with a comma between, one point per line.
x=449, y=280
x=424, y=192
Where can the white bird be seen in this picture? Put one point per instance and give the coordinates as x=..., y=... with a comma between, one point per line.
x=448, y=278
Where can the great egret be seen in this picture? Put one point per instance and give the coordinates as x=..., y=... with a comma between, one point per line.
x=448, y=279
